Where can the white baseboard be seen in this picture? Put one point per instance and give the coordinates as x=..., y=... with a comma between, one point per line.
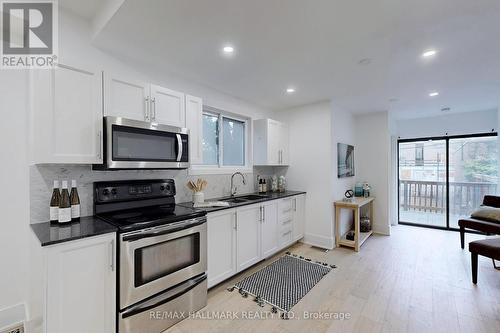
x=319, y=241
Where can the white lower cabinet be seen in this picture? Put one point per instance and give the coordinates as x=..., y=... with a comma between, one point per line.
x=269, y=229
x=299, y=216
x=248, y=238
x=221, y=237
x=241, y=237
x=80, y=295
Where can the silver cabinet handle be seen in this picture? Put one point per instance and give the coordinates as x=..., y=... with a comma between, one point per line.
x=112, y=252
x=99, y=144
x=263, y=214
x=236, y=221
x=294, y=204
x=146, y=110
x=153, y=104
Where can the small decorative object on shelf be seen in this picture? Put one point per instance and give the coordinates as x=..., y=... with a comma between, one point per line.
x=365, y=224
x=197, y=188
x=366, y=190
x=348, y=195
x=274, y=183
x=350, y=235
x=358, y=190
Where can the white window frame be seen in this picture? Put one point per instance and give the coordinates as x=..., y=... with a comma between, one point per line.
x=202, y=169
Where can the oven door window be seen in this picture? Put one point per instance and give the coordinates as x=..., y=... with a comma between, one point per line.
x=137, y=144
x=159, y=260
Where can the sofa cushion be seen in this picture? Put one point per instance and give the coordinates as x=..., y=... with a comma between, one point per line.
x=487, y=213
x=487, y=247
x=480, y=225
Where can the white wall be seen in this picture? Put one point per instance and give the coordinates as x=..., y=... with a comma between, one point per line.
x=14, y=184
x=311, y=167
x=342, y=132
x=447, y=124
x=373, y=163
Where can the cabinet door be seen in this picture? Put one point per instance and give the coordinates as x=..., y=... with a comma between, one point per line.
x=194, y=122
x=248, y=236
x=283, y=143
x=167, y=106
x=273, y=142
x=269, y=228
x=67, y=115
x=126, y=98
x=81, y=282
x=221, y=238
x=299, y=207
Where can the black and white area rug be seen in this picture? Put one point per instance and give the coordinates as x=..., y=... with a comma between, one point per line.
x=283, y=283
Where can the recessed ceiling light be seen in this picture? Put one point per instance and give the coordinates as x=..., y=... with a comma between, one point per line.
x=393, y=100
x=434, y=94
x=228, y=49
x=429, y=53
x=365, y=62
x=290, y=90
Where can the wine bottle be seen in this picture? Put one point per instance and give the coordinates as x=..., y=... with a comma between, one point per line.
x=64, y=205
x=75, y=202
x=54, y=202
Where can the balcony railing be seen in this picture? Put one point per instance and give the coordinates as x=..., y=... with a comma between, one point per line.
x=430, y=196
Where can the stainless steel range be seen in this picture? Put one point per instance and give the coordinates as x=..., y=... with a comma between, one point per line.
x=162, y=253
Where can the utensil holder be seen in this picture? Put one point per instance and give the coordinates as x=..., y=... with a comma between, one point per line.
x=198, y=197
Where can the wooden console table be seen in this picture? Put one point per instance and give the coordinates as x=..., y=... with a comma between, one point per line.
x=355, y=205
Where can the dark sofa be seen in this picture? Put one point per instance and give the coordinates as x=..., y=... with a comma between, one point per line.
x=488, y=227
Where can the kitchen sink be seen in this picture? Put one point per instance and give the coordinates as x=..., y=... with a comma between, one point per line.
x=234, y=200
x=252, y=197
x=244, y=198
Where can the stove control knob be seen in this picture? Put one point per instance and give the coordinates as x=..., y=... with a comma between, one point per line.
x=105, y=191
x=113, y=191
x=162, y=188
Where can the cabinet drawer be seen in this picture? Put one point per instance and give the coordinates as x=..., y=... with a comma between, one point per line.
x=285, y=237
x=285, y=206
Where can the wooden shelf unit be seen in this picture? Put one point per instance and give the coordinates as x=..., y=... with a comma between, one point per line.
x=356, y=204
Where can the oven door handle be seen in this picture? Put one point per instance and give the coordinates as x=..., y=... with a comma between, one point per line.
x=164, y=230
x=165, y=297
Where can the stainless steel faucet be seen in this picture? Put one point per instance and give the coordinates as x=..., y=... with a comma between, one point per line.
x=234, y=189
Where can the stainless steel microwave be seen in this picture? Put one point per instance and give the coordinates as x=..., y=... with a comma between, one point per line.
x=133, y=144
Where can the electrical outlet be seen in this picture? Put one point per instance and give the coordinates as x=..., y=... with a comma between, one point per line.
x=19, y=328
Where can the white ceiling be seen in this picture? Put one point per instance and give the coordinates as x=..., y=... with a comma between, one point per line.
x=316, y=46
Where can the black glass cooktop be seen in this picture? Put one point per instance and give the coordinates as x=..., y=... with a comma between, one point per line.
x=144, y=217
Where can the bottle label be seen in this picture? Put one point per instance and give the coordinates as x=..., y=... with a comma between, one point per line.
x=54, y=213
x=75, y=211
x=64, y=215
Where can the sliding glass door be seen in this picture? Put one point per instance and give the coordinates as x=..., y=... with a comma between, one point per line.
x=422, y=182
x=444, y=179
x=473, y=174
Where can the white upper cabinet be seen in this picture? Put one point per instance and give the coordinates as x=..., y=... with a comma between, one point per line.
x=126, y=98
x=270, y=142
x=194, y=121
x=269, y=228
x=167, y=106
x=66, y=115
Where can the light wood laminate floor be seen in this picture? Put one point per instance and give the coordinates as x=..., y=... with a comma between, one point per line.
x=416, y=280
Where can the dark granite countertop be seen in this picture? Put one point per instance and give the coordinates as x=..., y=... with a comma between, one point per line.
x=53, y=233
x=270, y=196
